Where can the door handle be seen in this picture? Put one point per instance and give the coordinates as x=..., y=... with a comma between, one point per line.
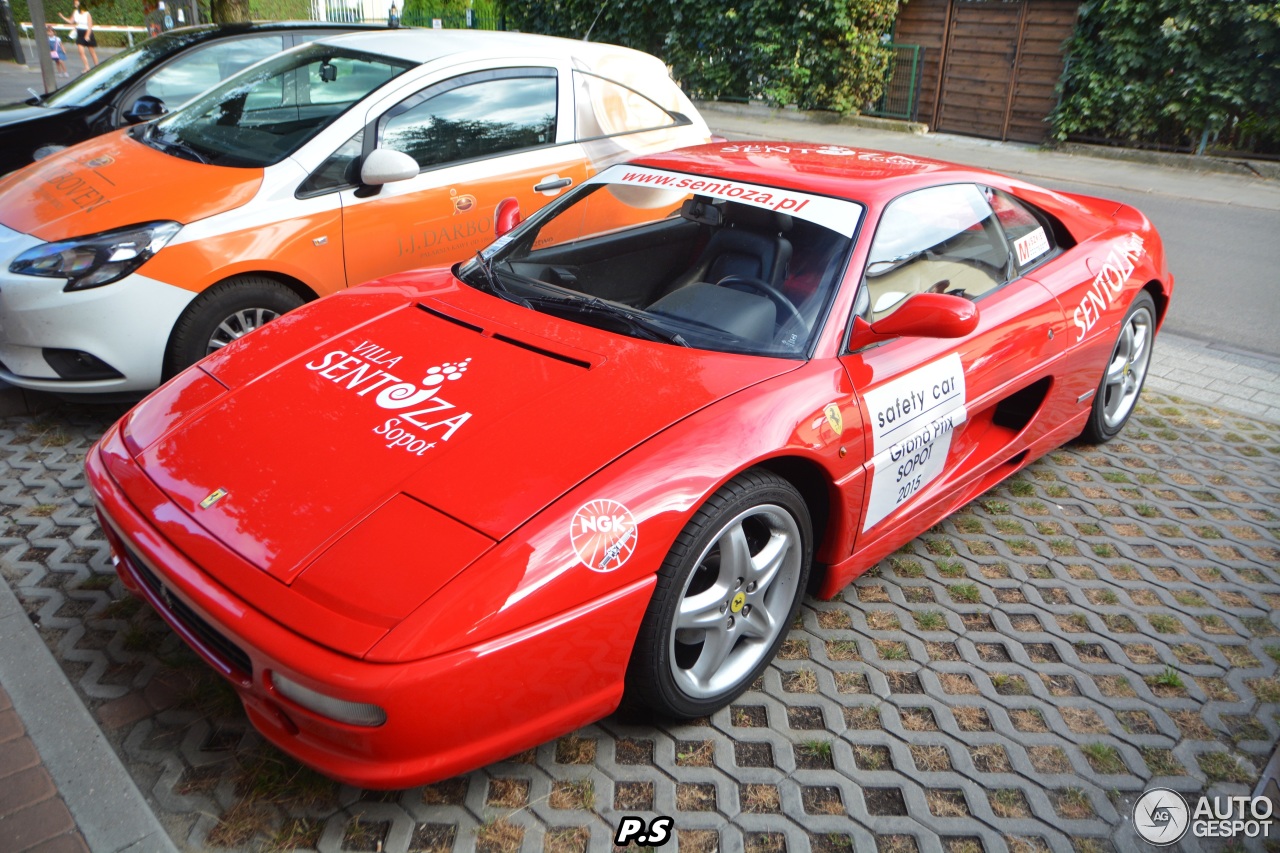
x=554, y=183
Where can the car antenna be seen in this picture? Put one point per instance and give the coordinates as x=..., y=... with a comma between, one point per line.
x=587, y=37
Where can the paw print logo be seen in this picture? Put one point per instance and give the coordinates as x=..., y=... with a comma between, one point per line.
x=447, y=371
x=407, y=394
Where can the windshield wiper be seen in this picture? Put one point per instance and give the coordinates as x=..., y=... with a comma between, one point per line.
x=173, y=145
x=494, y=285
x=593, y=305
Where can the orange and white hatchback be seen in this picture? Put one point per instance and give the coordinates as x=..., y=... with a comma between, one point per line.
x=130, y=256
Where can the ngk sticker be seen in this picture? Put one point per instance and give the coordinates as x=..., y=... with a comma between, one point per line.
x=603, y=533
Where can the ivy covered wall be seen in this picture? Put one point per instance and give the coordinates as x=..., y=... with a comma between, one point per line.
x=1186, y=74
x=816, y=54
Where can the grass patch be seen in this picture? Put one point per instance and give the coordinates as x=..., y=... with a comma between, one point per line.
x=930, y=620
x=1103, y=758
x=1168, y=678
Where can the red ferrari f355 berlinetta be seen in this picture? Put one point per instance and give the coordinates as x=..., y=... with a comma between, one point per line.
x=441, y=517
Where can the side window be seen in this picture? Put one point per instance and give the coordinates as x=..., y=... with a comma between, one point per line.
x=336, y=172
x=607, y=108
x=938, y=240
x=468, y=118
x=1030, y=236
x=197, y=70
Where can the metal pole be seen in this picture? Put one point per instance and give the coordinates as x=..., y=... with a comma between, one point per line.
x=42, y=45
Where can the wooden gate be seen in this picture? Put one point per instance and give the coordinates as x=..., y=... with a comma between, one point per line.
x=995, y=63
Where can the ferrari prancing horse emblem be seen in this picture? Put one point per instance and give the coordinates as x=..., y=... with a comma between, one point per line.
x=834, y=418
x=214, y=496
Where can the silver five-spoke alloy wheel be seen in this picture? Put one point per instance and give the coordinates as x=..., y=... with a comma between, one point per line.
x=736, y=602
x=1127, y=368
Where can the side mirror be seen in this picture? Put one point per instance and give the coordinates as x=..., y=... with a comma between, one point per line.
x=506, y=217
x=145, y=108
x=924, y=315
x=384, y=166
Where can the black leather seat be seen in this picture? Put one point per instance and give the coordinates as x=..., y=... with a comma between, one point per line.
x=750, y=243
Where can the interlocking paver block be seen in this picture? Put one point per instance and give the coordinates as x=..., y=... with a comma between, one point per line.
x=1106, y=620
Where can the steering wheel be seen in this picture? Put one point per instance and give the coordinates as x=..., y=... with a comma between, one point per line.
x=775, y=296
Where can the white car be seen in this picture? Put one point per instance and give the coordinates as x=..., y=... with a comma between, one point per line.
x=130, y=256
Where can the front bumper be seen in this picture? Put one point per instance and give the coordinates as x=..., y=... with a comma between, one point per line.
x=445, y=715
x=125, y=325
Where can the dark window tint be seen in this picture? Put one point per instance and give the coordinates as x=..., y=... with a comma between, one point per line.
x=473, y=119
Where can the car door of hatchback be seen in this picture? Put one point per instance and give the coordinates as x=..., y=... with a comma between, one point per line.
x=944, y=413
x=480, y=137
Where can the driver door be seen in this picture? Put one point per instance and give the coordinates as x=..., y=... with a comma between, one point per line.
x=479, y=138
x=944, y=412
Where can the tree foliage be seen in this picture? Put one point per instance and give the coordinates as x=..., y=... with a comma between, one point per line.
x=816, y=54
x=1175, y=72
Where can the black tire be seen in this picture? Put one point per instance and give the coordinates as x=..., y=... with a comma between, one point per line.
x=687, y=672
x=224, y=312
x=1124, y=373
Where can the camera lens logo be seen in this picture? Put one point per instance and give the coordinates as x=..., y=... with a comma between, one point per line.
x=1161, y=816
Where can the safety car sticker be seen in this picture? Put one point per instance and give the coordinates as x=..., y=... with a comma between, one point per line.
x=912, y=420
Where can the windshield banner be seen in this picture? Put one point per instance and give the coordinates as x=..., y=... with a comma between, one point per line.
x=837, y=214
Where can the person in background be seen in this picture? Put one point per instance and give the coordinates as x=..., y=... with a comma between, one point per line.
x=393, y=17
x=56, y=53
x=84, y=36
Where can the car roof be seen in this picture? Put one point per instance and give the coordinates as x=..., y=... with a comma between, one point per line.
x=860, y=174
x=427, y=45
x=238, y=27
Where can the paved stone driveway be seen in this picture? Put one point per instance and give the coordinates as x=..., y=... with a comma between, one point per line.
x=1014, y=679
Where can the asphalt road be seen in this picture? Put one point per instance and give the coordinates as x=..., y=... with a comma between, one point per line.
x=1226, y=264
x=1221, y=231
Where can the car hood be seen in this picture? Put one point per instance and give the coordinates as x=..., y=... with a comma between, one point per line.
x=12, y=114
x=114, y=181
x=478, y=409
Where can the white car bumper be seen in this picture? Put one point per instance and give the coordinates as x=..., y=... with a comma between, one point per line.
x=124, y=325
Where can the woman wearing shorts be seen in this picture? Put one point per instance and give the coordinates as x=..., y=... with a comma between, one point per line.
x=84, y=33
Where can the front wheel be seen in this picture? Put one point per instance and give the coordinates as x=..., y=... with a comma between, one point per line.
x=223, y=313
x=1126, y=370
x=725, y=597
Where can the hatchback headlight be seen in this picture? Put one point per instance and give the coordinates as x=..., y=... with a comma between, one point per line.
x=97, y=259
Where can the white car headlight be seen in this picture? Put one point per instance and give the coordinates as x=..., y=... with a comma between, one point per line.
x=97, y=259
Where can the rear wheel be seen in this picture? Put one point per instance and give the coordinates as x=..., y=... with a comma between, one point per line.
x=725, y=598
x=1125, y=372
x=224, y=313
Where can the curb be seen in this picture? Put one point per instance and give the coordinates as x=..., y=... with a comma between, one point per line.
x=110, y=812
x=815, y=116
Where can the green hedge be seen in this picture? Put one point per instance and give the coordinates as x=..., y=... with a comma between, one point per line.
x=815, y=54
x=1185, y=74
